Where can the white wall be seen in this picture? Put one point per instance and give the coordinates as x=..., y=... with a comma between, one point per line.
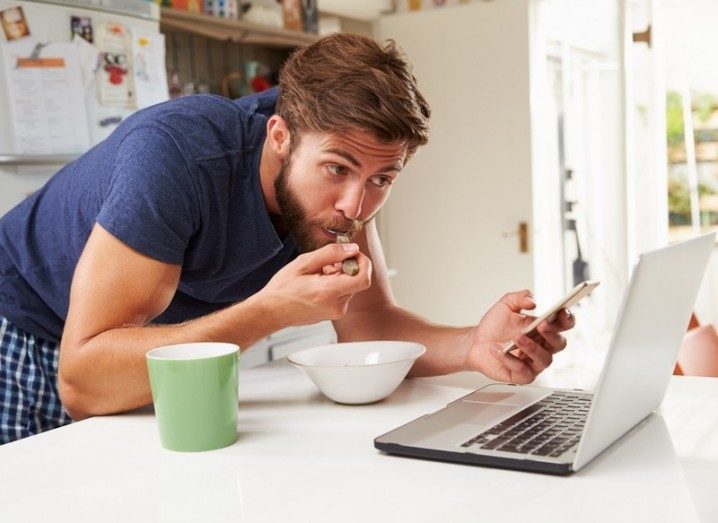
x=449, y=226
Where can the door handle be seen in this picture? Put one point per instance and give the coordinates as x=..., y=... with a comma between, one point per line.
x=522, y=231
x=644, y=36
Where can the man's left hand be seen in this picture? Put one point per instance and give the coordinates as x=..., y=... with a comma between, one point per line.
x=503, y=322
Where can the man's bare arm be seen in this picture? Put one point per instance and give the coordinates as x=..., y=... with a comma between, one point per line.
x=116, y=291
x=374, y=315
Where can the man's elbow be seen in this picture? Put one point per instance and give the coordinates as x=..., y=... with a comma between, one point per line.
x=73, y=399
x=76, y=399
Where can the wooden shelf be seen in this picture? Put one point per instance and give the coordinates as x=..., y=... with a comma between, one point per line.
x=236, y=31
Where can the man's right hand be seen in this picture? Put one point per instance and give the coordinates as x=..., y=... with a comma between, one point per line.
x=304, y=294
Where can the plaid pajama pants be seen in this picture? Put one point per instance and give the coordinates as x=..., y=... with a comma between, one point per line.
x=29, y=401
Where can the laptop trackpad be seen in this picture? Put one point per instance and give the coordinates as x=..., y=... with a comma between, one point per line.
x=451, y=426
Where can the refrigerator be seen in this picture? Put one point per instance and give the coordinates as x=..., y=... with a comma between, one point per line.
x=70, y=72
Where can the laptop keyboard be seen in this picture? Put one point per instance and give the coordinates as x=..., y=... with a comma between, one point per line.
x=549, y=427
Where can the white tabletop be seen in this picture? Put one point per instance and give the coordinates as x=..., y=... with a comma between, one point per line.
x=301, y=457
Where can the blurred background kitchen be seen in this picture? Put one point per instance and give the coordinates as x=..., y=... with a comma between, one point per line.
x=568, y=136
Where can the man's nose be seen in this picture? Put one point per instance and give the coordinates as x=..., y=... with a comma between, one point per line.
x=350, y=202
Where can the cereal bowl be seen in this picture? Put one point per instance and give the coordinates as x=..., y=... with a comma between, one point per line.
x=359, y=372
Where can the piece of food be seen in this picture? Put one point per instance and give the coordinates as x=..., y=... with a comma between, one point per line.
x=350, y=266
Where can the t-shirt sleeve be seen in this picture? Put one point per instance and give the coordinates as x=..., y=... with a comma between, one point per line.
x=151, y=204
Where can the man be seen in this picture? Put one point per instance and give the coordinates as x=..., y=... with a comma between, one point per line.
x=185, y=225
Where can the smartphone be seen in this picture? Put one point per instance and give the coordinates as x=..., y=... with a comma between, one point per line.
x=572, y=298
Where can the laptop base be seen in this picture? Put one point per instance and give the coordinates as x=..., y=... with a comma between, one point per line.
x=467, y=458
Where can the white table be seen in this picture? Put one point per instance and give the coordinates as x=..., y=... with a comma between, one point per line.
x=300, y=457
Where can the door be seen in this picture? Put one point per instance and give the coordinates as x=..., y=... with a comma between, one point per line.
x=612, y=104
x=645, y=112
x=457, y=227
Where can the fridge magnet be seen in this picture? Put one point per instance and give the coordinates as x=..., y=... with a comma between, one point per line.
x=114, y=76
x=14, y=24
x=81, y=26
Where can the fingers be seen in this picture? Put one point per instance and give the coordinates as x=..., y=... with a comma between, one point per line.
x=531, y=360
x=518, y=301
x=550, y=333
x=547, y=332
x=553, y=342
x=365, y=267
x=342, y=284
x=315, y=261
x=539, y=357
x=520, y=371
x=565, y=320
x=332, y=269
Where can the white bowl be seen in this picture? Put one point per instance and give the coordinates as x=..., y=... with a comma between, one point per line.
x=359, y=372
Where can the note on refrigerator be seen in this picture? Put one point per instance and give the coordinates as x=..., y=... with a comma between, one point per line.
x=114, y=77
x=148, y=51
x=46, y=97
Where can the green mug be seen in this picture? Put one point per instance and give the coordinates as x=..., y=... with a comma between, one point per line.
x=194, y=390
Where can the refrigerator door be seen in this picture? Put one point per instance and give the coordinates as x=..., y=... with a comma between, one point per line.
x=21, y=174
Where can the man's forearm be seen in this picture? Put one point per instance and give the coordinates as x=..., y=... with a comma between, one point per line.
x=107, y=373
x=446, y=347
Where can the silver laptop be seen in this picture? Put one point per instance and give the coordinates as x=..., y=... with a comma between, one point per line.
x=560, y=431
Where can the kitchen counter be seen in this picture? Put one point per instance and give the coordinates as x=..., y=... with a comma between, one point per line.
x=301, y=457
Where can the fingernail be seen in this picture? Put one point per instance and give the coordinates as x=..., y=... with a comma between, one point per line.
x=350, y=246
x=523, y=340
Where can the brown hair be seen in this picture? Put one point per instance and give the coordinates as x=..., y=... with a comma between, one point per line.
x=348, y=82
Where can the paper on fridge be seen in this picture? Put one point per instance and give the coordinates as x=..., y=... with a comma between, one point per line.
x=148, y=51
x=46, y=98
x=89, y=59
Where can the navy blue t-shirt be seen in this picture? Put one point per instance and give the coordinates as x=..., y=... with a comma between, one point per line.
x=179, y=182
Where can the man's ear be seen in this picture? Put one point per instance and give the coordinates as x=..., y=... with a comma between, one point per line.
x=278, y=136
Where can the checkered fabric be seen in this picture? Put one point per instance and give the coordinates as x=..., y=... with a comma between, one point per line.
x=29, y=402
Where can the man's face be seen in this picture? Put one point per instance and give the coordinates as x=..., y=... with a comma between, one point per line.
x=333, y=183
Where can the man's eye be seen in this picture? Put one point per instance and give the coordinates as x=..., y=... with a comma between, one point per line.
x=381, y=181
x=337, y=169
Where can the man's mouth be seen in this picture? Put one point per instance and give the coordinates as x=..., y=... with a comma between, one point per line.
x=335, y=232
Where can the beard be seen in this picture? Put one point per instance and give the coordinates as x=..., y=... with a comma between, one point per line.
x=303, y=230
